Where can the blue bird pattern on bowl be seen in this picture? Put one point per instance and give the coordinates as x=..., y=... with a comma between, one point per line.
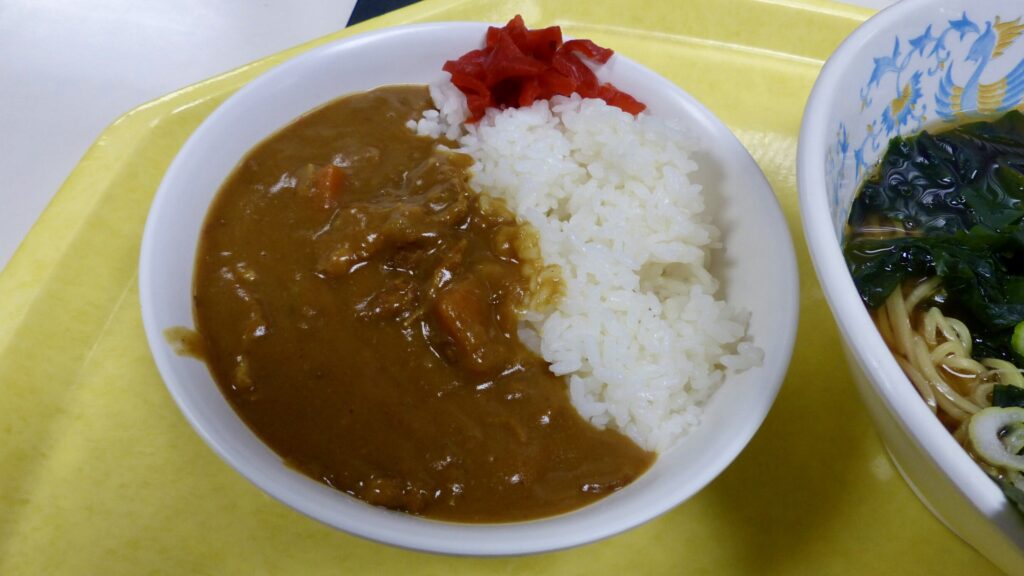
x=951, y=71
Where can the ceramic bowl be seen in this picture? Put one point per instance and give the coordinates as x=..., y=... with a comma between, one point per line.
x=915, y=65
x=758, y=270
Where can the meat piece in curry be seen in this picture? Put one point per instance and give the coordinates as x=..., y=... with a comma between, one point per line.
x=358, y=304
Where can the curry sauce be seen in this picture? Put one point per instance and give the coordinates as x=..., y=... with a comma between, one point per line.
x=358, y=304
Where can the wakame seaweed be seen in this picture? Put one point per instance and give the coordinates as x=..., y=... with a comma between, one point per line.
x=959, y=194
x=1007, y=396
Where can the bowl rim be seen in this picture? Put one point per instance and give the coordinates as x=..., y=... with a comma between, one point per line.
x=772, y=381
x=897, y=393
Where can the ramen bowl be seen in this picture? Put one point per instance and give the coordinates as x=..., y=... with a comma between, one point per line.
x=758, y=271
x=914, y=65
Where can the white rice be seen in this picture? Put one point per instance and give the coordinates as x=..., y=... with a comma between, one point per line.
x=639, y=332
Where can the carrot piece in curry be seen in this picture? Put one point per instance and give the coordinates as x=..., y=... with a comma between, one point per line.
x=327, y=186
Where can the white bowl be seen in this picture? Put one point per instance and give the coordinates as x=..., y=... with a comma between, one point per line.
x=758, y=269
x=850, y=117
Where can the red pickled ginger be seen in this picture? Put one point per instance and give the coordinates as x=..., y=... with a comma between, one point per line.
x=518, y=66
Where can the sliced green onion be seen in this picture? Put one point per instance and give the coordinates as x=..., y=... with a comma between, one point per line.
x=1017, y=341
x=1015, y=479
x=997, y=435
x=1014, y=439
x=1013, y=486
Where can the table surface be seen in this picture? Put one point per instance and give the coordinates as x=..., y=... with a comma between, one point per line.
x=69, y=69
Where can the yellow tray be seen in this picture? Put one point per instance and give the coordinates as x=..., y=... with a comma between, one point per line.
x=100, y=474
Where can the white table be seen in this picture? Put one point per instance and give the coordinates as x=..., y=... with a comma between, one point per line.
x=68, y=68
